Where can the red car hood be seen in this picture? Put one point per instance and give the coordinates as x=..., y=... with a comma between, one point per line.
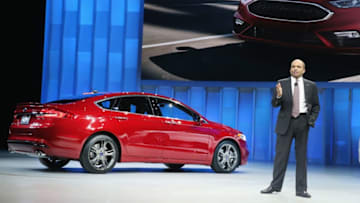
x=224, y=127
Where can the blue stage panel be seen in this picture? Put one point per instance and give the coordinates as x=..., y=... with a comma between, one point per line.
x=55, y=11
x=182, y=94
x=165, y=91
x=83, y=72
x=117, y=13
x=86, y=12
x=131, y=60
x=115, y=74
x=198, y=99
x=246, y=116
x=327, y=114
x=262, y=124
x=91, y=45
x=67, y=73
x=213, y=102
x=275, y=112
x=342, y=146
x=316, y=146
x=229, y=106
x=116, y=42
x=100, y=68
x=355, y=125
x=149, y=89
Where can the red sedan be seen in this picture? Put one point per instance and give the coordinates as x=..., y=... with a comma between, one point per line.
x=324, y=24
x=102, y=129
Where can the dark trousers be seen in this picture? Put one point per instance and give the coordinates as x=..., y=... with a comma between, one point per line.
x=299, y=130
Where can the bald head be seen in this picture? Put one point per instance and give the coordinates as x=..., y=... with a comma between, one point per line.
x=298, y=61
x=297, y=68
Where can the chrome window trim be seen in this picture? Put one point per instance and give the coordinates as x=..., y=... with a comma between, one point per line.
x=330, y=13
x=178, y=103
x=118, y=97
x=147, y=97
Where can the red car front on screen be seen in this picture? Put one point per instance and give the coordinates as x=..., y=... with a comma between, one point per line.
x=102, y=129
x=324, y=24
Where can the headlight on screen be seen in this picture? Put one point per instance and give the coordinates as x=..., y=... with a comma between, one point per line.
x=241, y=136
x=244, y=2
x=346, y=3
x=347, y=34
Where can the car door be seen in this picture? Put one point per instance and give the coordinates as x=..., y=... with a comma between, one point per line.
x=186, y=139
x=140, y=136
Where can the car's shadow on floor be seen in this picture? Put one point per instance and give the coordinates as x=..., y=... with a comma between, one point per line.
x=133, y=170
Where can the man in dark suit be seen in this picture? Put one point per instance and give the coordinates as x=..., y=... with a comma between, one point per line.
x=299, y=107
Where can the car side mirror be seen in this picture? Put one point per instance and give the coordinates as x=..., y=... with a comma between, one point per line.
x=198, y=119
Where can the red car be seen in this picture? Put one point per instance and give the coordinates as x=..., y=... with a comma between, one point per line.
x=324, y=24
x=102, y=129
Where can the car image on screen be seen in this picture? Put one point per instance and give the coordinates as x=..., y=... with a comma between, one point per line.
x=100, y=130
x=332, y=25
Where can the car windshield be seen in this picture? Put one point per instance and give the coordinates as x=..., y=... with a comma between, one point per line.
x=67, y=100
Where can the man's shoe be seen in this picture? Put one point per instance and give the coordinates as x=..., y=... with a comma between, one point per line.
x=303, y=194
x=269, y=190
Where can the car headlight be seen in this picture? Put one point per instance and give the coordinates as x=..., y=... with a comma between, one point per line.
x=242, y=136
x=347, y=34
x=346, y=3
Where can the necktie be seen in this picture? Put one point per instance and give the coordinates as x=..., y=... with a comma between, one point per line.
x=296, y=106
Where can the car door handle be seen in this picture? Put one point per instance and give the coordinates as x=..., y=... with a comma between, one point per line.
x=121, y=117
x=172, y=122
x=168, y=122
x=176, y=122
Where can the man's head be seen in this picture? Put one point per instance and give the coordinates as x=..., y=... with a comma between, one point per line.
x=297, y=68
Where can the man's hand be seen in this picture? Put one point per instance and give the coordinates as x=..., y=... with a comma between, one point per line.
x=278, y=90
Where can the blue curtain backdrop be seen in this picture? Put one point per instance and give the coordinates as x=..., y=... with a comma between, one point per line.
x=91, y=45
x=96, y=45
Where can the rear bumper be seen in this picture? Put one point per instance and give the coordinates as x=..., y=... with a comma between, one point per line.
x=57, y=141
x=33, y=149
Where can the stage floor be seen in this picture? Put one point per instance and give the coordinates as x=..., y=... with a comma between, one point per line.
x=24, y=179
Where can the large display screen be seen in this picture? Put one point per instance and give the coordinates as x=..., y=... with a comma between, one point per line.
x=248, y=40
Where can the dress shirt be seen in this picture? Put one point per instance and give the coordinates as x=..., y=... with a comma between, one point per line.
x=302, y=103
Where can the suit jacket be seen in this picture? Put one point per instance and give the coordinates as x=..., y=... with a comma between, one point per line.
x=286, y=103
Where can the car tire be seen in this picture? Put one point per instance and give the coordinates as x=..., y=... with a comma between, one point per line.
x=226, y=157
x=99, y=154
x=174, y=166
x=54, y=163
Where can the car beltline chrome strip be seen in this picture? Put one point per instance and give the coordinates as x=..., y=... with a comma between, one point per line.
x=148, y=96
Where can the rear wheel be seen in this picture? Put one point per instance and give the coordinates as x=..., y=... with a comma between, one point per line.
x=99, y=155
x=174, y=166
x=226, y=157
x=54, y=163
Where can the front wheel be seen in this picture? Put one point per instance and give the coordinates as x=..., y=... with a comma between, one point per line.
x=99, y=155
x=226, y=157
x=54, y=163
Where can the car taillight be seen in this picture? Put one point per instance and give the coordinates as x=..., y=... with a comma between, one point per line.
x=52, y=113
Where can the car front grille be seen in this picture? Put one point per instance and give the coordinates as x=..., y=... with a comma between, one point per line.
x=283, y=35
x=291, y=11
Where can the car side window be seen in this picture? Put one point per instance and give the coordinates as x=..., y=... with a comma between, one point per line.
x=109, y=104
x=170, y=109
x=135, y=104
